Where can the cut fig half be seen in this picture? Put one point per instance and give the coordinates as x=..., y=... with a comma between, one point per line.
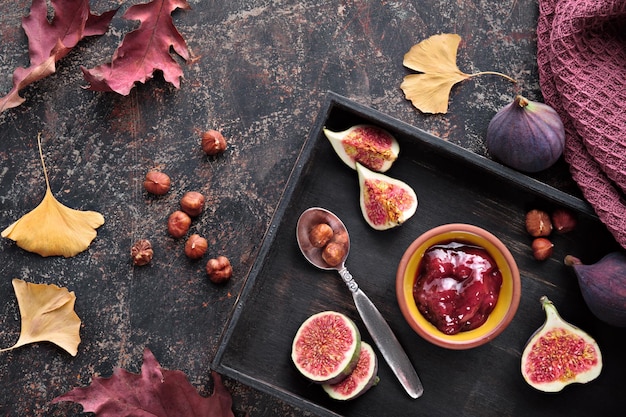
x=559, y=354
x=364, y=376
x=368, y=145
x=385, y=202
x=326, y=347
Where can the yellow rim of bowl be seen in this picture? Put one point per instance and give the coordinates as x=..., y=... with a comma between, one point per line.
x=499, y=313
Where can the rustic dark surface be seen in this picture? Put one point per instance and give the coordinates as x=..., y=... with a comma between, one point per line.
x=261, y=74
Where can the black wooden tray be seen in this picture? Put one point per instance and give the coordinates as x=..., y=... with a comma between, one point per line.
x=453, y=185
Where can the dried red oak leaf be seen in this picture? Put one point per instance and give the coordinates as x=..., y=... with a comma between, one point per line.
x=144, y=50
x=50, y=41
x=154, y=392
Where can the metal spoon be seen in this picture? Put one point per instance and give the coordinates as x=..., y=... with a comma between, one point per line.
x=376, y=325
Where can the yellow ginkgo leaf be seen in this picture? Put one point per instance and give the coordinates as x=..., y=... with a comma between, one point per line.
x=429, y=93
x=435, y=59
x=53, y=229
x=48, y=315
x=436, y=54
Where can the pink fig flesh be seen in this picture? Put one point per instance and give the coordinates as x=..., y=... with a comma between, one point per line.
x=559, y=354
x=362, y=378
x=326, y=347
x=368, y=145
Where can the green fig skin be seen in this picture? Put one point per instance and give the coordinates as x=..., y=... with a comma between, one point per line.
x=559, y=354
x=526, y=135
x=603, y=286
x=364, y=377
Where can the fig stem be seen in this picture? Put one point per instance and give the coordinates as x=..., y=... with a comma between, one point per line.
x=571, y=260
x=549, y=308
x=513, y=80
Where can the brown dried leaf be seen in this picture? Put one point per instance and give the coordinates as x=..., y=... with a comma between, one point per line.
x=435, y=58
x=47, y=313
x=51, y=40
x=53, y=229
x=154, y=392
x=144, y=50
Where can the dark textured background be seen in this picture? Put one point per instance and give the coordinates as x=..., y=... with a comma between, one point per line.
x=261, y=74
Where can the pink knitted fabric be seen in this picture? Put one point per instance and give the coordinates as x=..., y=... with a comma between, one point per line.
x=581, y=53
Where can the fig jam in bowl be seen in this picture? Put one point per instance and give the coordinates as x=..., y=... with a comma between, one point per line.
x=458, y=286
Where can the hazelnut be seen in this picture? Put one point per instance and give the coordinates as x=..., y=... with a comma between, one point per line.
x=178, y=224
x=542, y=248
x=192, y=203
x=196, y=246
x=157, y=183
x=538, y=223
x=333, y=253
x=219, y=269
x=563, y=221
x=213, y=142
x=320, y=235
x=341, y=238
x=141, y=252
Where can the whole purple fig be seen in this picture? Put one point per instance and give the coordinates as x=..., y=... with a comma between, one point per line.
x=603, y=286
x=526, y=135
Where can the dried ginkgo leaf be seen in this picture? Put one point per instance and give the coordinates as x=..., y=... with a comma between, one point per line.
x=429, y=93
x=48, y=315
x=52, y=229
x=435, y=59
x=436, y=54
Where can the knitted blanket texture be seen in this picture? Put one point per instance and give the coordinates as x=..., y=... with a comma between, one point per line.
x=581, y=54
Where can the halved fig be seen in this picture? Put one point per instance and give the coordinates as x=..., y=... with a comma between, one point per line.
x=326, y=347
x=559, y=354
x=364, y=376
x=385, y=202
x=368, y=145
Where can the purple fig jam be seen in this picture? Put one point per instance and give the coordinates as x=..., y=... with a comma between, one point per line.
x=457, y=286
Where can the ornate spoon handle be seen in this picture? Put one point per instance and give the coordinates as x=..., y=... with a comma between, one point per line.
x=384, y=338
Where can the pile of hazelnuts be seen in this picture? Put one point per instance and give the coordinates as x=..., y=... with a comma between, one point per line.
x=179, y=222
x=540, y=224
x=334, y=245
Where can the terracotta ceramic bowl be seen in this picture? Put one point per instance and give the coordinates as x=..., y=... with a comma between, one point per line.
x=508, y=299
